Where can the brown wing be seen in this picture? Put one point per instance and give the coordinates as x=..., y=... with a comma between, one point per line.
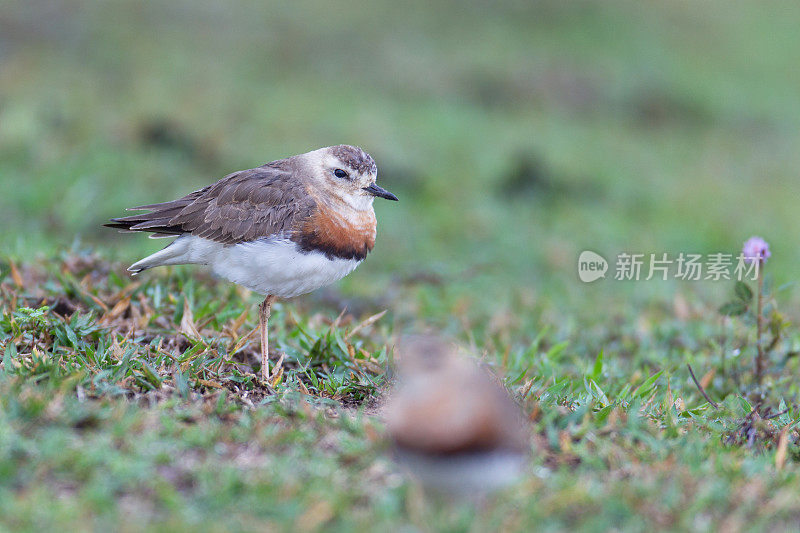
x=244, y=206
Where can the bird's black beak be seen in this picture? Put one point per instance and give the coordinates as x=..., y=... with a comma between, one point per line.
x=374, y=190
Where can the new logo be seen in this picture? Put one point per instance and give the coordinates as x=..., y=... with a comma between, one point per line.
x=591, y=266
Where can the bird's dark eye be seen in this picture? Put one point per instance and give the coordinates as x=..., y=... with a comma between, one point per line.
x=339, y=173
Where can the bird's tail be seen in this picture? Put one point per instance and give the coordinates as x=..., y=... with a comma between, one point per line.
x=175, y=253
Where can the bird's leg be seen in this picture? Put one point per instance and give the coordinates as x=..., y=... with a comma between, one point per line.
x=263, y=318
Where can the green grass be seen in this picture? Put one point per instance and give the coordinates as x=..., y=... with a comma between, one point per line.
x=112, y=411
x=516, y=136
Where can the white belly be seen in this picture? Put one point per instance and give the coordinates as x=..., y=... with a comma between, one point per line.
x=269, y=266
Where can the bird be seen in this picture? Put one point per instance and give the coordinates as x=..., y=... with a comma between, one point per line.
x=451, y=424
x=282, y=229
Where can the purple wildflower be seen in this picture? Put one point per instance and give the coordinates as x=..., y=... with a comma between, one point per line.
x=756, y=248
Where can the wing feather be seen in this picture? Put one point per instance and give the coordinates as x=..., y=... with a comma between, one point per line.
x=244, y=206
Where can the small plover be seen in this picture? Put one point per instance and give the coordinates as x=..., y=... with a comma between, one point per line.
x=283, y=229
x=452, y=424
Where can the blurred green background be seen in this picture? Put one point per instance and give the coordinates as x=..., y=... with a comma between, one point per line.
x=516, y=134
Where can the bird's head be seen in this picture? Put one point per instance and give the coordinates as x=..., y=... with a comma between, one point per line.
x=346, y=173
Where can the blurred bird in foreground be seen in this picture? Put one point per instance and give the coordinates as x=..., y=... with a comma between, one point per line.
x=452, y=424
x=282, y=229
